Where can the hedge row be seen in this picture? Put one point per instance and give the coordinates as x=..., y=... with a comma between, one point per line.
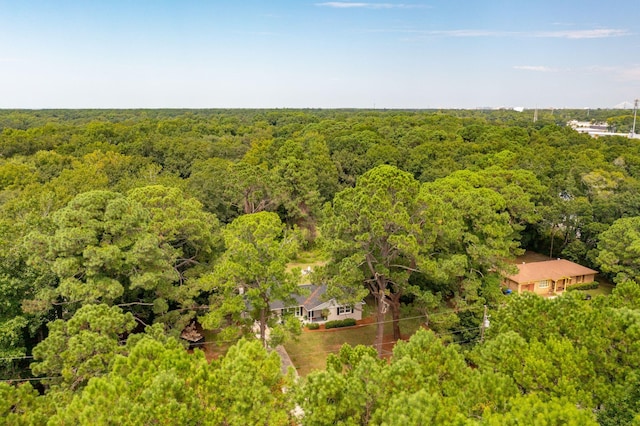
x=347, y=322
x=313, y=326
x=585, y=286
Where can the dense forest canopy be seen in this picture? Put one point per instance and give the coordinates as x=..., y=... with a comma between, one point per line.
x=119, y=228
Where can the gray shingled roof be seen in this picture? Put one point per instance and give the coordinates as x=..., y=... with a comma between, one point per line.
x=312, y=298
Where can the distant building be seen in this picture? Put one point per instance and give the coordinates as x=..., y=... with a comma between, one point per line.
x=596, y=130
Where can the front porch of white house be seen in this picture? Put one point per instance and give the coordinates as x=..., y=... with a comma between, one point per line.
x=324, y=312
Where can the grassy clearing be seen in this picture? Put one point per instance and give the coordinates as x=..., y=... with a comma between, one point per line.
x=604, y=289
x=307, y=259
x=311, y=349
x=310, y=256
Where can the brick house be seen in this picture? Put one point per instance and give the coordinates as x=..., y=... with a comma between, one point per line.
x=548, y=278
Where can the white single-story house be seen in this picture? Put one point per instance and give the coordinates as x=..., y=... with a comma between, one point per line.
x=311, y=308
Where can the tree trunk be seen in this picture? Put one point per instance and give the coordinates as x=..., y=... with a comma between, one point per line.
x=394, y=304
x=378, y=290
x=263, y=327
x=247, y=207
x=382, y=310
x=380, y=322
x=59, y=311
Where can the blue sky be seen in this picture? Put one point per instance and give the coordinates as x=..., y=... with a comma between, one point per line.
x=319, y=54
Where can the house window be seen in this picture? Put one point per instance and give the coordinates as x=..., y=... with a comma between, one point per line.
x=543, y=284
x=297, y=311
x=345, y=310
x=579, y=279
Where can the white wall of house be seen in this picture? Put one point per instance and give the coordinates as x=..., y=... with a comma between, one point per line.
x=335, y=312
x=344, y=312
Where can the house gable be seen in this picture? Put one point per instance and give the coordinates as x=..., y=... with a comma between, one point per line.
x=311, y=307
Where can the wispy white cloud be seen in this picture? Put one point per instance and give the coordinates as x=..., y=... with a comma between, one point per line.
x=362, y=5
x=596, y=69
x=469, y=33
x=629, y=73
x=569, y=34
x=581, y=34
x=536, y=68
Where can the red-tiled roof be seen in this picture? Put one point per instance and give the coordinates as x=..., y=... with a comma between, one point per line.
x=549, y=270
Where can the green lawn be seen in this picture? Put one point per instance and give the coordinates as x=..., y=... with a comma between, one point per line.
x=311, y=349
x=309, y=352
x=604, y=289
x=309, y=258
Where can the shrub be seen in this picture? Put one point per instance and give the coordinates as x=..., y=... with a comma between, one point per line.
x=313, y=326
x=585, y=286
x=331, y=324
x=347, y=322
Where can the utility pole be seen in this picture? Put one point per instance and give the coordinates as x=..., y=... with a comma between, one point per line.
x=485, y=324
